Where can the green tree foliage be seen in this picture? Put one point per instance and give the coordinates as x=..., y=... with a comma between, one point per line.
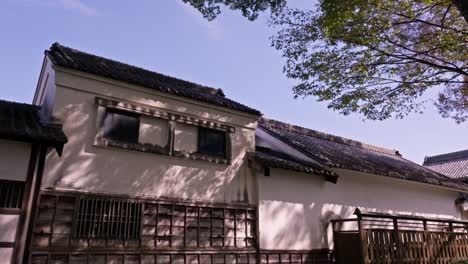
x=249, y=8
x=376, y=57
x=373, y=57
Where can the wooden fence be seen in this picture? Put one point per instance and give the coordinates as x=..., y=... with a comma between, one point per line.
x=384, y=238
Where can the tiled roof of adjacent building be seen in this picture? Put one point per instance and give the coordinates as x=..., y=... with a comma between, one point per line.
x=337, y=152
x=88, y=63
x=22, y=122
x=454, y=164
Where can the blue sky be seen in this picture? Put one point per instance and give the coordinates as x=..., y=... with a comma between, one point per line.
x=231, y=53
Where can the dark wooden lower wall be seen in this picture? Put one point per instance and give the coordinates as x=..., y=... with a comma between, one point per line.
x=145, y=258
x=318, y=256
x=168, y=232
x=186, y=257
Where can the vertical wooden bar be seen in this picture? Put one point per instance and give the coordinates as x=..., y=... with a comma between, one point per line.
x=52, y=223
x=138, y=232
x=156, y=226
x=185, y=226
x=373, y=250
x=171, y=221
x=198, y=229
x=211, y=227
x=118, y=233
x=112, y=219
x=396, y=235
x=94, y=217
x=246, y=226
x=235, y=227
x=224, y=227
x=364, y=244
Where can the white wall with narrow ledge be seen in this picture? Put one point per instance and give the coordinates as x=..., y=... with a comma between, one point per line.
x=295, y=209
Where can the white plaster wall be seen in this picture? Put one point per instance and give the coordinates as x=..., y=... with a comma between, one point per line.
x=8, y=226
x=153, y=131
x=84, y=166
x=5, y=255
x=14, y=160
x=186, y=138
x=45, y=91
x=295, y=208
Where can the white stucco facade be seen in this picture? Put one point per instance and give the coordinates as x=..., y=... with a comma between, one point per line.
x=295, y=209
x=88, y=167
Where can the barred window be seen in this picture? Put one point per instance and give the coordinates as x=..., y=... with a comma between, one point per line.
x=108, y=218
x=121, y=126
x=212, y=142
x=11, y=194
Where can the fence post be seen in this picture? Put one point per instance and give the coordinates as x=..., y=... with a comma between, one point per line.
x=453, y=243
x=399, y=247
x=362, y=232
x=427, y=246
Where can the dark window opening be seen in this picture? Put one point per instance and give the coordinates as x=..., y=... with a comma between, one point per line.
x=105, y=218
x=121, y=126
x=212, y=142
x=11, y=194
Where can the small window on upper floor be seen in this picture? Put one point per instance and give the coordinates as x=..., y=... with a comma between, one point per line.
x=121, y=126
x=212, y=142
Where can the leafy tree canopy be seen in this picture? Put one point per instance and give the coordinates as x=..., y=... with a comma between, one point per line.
x=373, y=57
x=210, y=9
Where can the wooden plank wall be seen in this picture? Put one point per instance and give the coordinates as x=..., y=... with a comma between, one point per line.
x=409, y=246
x=146, y=258
x=164, y=225
x=270, y=257
x=170, y=233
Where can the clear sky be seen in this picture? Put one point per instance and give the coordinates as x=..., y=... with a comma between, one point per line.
x=231, y=53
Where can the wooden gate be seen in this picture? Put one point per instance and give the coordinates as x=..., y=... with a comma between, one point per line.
x=384, y=238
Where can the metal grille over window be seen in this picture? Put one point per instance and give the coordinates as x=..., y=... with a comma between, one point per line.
x=212, y=142
x=107, y=218
x=11, y=194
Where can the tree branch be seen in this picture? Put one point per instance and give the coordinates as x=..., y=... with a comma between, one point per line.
x=402, y=56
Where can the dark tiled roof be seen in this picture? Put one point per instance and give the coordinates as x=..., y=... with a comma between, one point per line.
x=338, y=152
x=454, y=164
x=275, y=159
x=81, y=61
x=22, y=122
